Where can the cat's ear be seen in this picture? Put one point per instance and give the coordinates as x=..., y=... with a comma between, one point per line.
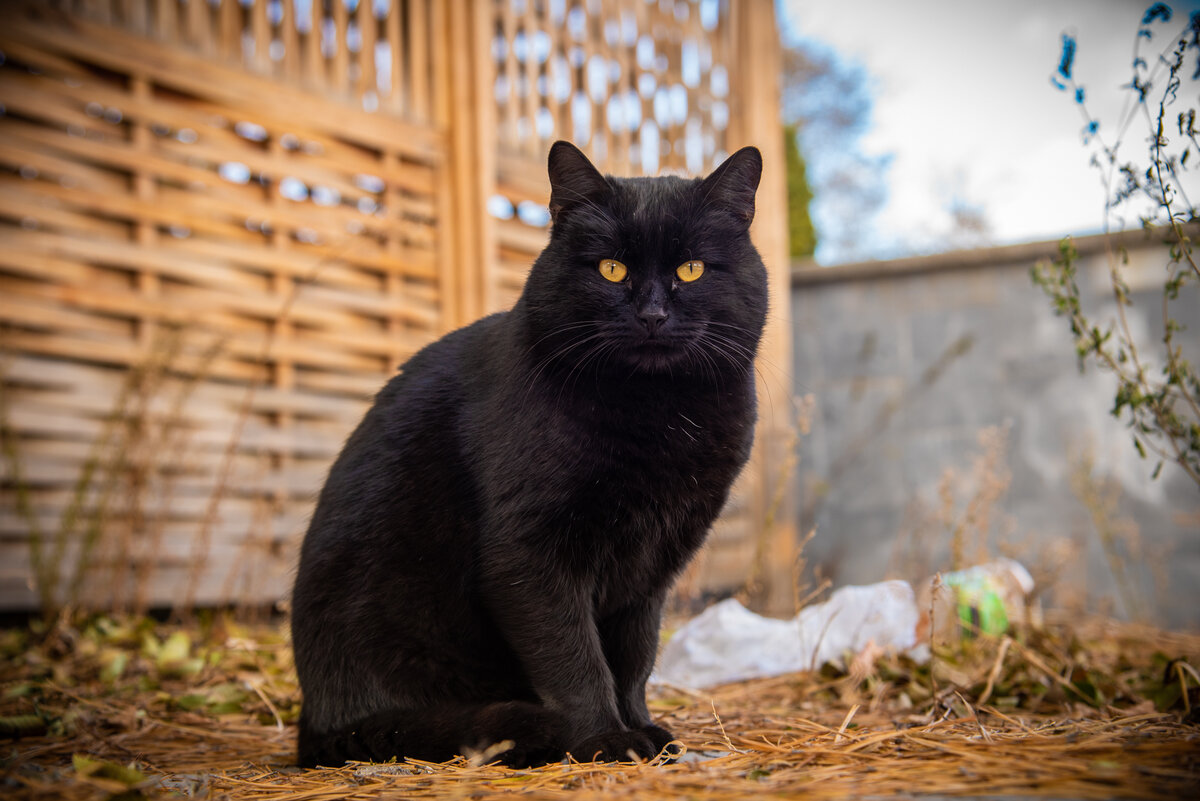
x=573, y=179
x=732, y=185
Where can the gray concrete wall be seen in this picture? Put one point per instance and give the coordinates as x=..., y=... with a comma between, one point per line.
x=908, y=362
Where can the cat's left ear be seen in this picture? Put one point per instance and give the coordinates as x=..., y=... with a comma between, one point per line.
x=573, y=179
x=732, y=185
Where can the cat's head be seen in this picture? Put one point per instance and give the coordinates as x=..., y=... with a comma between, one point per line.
x=649, y=275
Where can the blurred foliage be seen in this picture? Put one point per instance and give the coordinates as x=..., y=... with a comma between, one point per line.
x=828, y=100
x=1158, y=392
x=802, y=236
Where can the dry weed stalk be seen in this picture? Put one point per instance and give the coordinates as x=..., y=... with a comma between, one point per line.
x=185, y=606
x=989, y=479
x=1119, y=537
x=107, y=508
x=754, y=588
x=966, y=512
x=1056, y=566
x=864, y=440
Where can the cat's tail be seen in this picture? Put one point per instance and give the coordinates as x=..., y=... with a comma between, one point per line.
x=533, y=734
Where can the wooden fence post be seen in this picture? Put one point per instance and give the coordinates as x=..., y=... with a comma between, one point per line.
x=756, y=121
x=466, y=117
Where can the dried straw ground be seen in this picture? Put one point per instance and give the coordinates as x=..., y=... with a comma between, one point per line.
x=138, y=710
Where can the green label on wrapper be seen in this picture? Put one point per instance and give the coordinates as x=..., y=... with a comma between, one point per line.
x=980, y=607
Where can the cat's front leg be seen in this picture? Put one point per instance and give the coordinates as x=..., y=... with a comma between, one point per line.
x=550, y=626
x=630, y=640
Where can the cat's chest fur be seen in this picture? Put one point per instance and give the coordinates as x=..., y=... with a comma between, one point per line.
x=616, y=478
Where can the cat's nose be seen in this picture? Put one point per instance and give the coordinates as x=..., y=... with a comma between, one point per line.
x=653, y=318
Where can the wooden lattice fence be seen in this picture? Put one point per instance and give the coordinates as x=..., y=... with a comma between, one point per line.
x=224, y=224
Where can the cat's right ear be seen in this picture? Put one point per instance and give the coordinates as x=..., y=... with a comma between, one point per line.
x=732, y=185
x=573, y=179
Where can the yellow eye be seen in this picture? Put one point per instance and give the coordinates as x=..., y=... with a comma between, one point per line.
x=690, y=270
x=613, y=270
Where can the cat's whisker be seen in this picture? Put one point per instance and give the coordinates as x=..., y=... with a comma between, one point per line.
x=561, y=330
x=695, y=359
x=706, y=362
x=761, y=358
x=563, y=350
x=729, y=349
x=579, y=369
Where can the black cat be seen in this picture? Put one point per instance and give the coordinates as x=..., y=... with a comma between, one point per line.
x=490, y=553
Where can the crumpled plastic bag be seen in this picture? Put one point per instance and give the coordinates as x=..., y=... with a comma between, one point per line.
x=727, y=642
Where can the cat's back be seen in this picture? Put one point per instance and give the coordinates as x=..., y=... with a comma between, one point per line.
x=406, y=458
x=447, y=371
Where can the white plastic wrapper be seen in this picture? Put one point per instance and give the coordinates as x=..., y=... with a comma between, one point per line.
x=728, y=642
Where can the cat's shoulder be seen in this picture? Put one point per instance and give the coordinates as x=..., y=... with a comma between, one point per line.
x=447, y=366
x=478, y=339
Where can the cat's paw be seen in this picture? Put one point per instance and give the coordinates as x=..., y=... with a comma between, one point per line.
x=662, y=740
x=616, y=746
x=538, y=736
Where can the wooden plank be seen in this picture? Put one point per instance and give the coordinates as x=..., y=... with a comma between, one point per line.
x=21, y=311
x=50, y=168
x=49, y=106
x=256, y=350
x=83, y=210
x=483, y=157
x=289, y=37
x=185, y=72
x=190, y=503
x=314, y=61
x=146, y=233
x=339, y=66
x=214, y=400
x=508, y=25
x=217, y=310
x=203, y=262
x=180, y=167
x=366, y=83
x=32, y=212
x=229, y=31
x=397, y=97
x=531, y=103
x=17, y=52
x=416, y=52
x=353, y=385
x=40, y=470
x=260, y=36
x=199, y=33
x=289, y=516
x=518, y=236
x=122, y=353
x=136, y=15
x=619, y=154
x=74, y=435
x=449, y=246
x=324, y=158
x=561, y=48
x=166, y=21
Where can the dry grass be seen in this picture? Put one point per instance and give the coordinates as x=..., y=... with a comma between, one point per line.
x=136, y=709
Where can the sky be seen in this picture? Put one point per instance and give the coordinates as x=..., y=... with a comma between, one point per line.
x=964, y=104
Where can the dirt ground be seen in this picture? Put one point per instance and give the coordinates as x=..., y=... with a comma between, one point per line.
x=127, y=709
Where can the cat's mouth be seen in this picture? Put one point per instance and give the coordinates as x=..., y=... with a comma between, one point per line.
x=658, y=353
